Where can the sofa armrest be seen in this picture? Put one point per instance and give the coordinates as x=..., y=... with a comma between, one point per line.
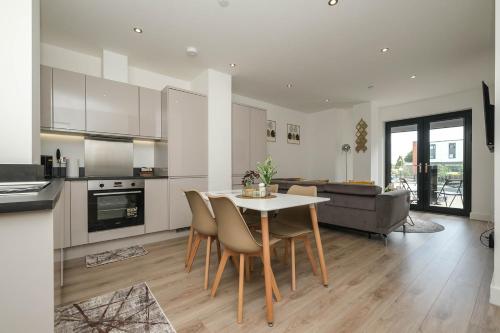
x=392, y=207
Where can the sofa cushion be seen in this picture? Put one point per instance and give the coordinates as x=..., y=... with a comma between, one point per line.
x=350, y=201
x=352, y=189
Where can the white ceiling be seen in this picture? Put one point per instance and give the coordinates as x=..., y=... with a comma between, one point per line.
x=326, y=52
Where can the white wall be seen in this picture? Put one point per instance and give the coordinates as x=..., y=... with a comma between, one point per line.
x=327, y=133
x=495, y=283
x=482, y=159
x=290, y=159
x=70, y=60
x=20, y=82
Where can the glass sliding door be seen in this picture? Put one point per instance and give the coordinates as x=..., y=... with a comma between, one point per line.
x=431, y=158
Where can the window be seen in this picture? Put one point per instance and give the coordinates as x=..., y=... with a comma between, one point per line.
x=432, y=151
x=452, y=150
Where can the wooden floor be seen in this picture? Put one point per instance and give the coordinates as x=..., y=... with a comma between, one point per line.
x=419, y=283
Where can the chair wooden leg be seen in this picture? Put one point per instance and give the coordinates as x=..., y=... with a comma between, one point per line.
x=276, y=290
x=194, y=250
x=207, y=261
x=247, y=268
x=189, y=245
x=235, y=262
x=292, y=263
x=240, y=288
x=307, y=245
x=220, y=270
x=218, y=249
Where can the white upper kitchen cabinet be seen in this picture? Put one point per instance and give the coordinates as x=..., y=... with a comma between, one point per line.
x=112, y=107
x=45, y=97
x=240, y=139
x=156, y=205
x=187, y=127
x=68, y=100
x=258, y=138
x=180, y=213
x=150, y=113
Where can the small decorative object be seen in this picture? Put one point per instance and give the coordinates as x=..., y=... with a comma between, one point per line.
x=266, y=172
x=346, y=148
x=293, y=134
x=271, y=131
x=146, y=172
x=247, y=181
x=361, y=134
x=262, y=190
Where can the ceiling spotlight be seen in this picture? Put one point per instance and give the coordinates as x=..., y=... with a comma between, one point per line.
x=333, y=2
x=413, y=77
x=223, y=3
x=192, y=51
x=384, y=50
x=232, y=65
x=289, y=85
x=327, y=100
x=138, y=30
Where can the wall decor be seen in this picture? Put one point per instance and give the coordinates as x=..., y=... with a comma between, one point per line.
x=361, y=135
x=293, y=134
x=271, y=131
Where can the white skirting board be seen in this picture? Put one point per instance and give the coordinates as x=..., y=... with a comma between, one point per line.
x=495, y=294
x=83, y=250
x=480, y=216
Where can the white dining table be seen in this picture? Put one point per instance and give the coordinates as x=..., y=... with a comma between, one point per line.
x=265, y=205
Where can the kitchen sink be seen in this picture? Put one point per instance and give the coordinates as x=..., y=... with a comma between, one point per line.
x=22, y=188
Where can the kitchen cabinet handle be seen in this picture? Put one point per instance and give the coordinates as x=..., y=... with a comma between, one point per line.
x=116, y=193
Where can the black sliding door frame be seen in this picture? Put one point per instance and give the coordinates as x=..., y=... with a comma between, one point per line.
x=423, y=162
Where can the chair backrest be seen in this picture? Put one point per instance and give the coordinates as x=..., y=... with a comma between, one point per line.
x=203, y=221
x=300, y=215
x=232, y=232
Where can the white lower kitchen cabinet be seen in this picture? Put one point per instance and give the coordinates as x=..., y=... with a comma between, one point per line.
x=156, y=205
x=79, y=213
x=59, y=216
x=180, y=213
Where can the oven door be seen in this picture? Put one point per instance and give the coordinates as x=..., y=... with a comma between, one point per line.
x=114, y=209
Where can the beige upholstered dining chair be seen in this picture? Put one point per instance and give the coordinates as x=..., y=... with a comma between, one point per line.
x=238, y=240
x=293, y=224
x=203, y=226
x=252, y=217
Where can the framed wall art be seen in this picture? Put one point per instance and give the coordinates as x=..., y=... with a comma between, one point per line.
x=271, y=131
x=293, y=134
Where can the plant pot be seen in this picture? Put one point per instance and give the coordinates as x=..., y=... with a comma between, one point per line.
x=248, y=192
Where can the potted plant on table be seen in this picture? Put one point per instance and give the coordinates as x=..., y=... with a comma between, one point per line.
x=247, y=181
x=267, y=171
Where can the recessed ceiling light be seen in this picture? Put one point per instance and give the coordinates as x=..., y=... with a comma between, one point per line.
x=232, y=65
x=223, y=3
x=289, y=85
x=413, y=77
x=138, y=30
x=333, y=2
x=384, y=50
x=327, y=100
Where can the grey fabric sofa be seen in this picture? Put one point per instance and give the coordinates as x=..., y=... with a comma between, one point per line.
x=360, y=207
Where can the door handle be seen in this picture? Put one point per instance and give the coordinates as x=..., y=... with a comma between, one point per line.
x=419, y=167
x=426, y=168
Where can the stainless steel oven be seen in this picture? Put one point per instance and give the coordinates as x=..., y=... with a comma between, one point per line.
x=115, y=204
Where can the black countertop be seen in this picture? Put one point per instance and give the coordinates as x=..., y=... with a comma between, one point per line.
x=70, y=179
x=43, y=200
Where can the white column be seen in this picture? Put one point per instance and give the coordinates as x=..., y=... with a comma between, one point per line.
x=217, y=86
x=495, y=283
x=20, y=82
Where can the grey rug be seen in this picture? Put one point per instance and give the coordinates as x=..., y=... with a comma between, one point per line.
x=131, y=309
x=107, y=257
x=421, y=226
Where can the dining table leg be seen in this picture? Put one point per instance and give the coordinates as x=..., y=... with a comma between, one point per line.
x=317, y=237
x=266, y=254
